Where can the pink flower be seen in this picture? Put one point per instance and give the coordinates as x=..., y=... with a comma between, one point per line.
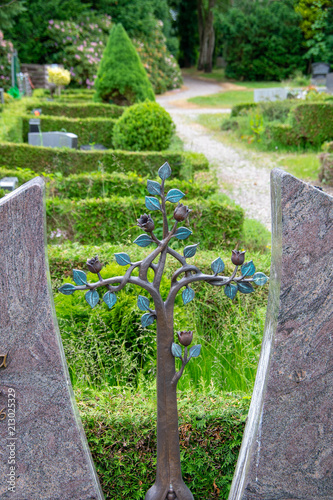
x=51, y=21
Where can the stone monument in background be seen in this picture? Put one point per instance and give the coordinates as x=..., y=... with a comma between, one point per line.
x=44, y=454
x=287, y=448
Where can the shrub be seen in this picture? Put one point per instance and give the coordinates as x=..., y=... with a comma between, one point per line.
x=261, y=40
x=282, y=134
x=121, y=77
x=326, y=168
x=121, y=432
x=239, y=109
x=88, y=130
x=58, y=76
x=83, y=110
x=144, y=127
x=6, y=51
x=71, y=161
x=313, y=122
x=112, y=220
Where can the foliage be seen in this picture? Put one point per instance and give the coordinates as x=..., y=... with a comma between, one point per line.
x=187, y=30
x=70, y=161
x=218, y=221
x=30, y=32
x=73, y=110
x=161, y=66
x=143, y=127
x=317, y=46
x=262, y=40
x=88, y=130
x=310, y=11
x=6, y=51
x=9, y=11
x=326, y=168
x=58, y=76
x=121, y=434
x=79, y=45
x=313, y=122
x=121, y=77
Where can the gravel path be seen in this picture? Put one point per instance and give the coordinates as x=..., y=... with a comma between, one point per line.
x=245, y=180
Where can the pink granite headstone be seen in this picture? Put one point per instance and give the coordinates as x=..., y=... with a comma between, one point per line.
x=43, y=449
x=287, y=448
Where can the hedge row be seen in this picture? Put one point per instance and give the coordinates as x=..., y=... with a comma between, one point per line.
x=121, y=433
x=71, y=161
x=313, y=122
x=83, y=110
x=283, y=134
x=213, y=222
x=326, y=168
x=98, y=184
x=88, y=130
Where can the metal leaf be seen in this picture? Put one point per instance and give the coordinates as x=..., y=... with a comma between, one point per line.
x=164, y=171
x=188, y=295
x=152, y=203
x=194, y=351
x=143, y=303
x=154, y=187
x=79, y=277
x=92, y=298
x=67, y=289
x=244, y=287
x=176, y=350
x=260, y=279
x=217, y=266
x=230, y=291
x=190, y=251
x=147, y=319
x=110, y=299
x=248, y=269
x=182, y=233
x=122, y=259
x=174, y=195
x=143, y=240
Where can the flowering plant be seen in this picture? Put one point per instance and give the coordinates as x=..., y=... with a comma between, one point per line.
x=6, y=52
x=80, y=46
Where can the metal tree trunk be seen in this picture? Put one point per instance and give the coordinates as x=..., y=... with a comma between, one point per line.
x=168, y=470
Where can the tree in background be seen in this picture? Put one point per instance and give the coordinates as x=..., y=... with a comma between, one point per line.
x=206, y=34
x=8, y=10
x=121, y=77
x=262, y=40
x=185, y=26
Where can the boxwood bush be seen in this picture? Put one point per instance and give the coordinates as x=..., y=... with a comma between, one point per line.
x=144, y=127
x=71, y=161
x=214, y=221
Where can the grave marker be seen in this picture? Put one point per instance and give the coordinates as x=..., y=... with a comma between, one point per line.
x=287, y=448
x=44, y=454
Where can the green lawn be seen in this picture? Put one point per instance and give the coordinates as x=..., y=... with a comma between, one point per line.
x=224, y=99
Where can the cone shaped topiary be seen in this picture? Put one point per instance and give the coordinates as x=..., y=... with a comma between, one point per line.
x=121, y=77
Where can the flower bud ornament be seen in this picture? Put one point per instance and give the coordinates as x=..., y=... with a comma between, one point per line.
x=94, y=265
x=185, y=338
x=181, y=212
x=237, y=257
x=146, y=223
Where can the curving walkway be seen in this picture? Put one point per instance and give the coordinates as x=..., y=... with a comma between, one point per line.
x=244, y=179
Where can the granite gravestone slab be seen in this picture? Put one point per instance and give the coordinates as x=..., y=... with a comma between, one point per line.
x=329, y=83
x=43, y=450
x=274, y=94
x=287, y=448
x=53, y=139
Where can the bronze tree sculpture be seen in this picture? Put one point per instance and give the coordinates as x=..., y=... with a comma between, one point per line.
x=169, y=483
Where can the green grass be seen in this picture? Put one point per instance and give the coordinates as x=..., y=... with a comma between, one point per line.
x=223, y=99
x=304, y=166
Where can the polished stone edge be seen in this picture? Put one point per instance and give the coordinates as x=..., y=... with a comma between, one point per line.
x=252, y=428
x=39, y=182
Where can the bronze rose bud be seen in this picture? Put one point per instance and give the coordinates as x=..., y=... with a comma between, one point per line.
x=185, y=338
x=146, y=223
x=237, y=257
x=94, y=265
x=181, y=212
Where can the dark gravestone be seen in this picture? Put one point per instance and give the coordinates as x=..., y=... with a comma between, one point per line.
x=43, y=450
x=319, y=72
x=287, y=448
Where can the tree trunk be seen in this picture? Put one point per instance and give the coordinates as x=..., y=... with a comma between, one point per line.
x=207, y=35
x=168, y=455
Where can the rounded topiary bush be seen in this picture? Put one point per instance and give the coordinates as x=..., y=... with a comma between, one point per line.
x=143, y=127
x=121, y=77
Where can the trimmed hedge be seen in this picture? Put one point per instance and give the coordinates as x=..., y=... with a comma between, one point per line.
x=283, y=134
x=313, y=122
x=72, y=161
x=326, y=168
x=213, y=222
x=83, y=110
x=238, y=108
x=88, y=130
x=121, y=433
